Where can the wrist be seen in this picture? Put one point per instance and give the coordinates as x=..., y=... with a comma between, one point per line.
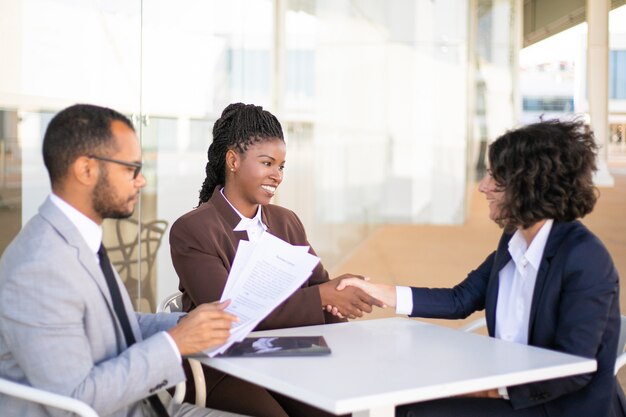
x=324, y=296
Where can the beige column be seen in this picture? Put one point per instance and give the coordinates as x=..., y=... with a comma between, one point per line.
x=598, y=82
x=517, y=43
x=278, y=58
x=279, y=52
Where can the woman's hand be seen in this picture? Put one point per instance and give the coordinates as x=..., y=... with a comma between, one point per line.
x=383, y=292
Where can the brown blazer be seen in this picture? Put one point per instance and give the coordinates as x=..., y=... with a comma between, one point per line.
x=203, y=246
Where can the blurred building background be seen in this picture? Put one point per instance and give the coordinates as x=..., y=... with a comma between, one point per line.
x=553, y=77
x=387, y=106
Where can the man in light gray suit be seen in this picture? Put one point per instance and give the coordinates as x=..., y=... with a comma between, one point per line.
x=66, y=322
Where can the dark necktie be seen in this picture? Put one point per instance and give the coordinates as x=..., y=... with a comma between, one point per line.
x=120, y=312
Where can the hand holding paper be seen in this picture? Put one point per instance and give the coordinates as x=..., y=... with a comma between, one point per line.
x=262, y=276
x=206, y=327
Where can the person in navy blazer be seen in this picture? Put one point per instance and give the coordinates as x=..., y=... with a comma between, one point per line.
x=551, y=282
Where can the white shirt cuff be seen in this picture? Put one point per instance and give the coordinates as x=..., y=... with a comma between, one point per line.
x=174, y=347
x=504, y=393
x=404, y=300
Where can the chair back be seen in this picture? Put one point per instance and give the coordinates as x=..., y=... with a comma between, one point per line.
x=46, y=398
x=173, y=303
x=133, y=253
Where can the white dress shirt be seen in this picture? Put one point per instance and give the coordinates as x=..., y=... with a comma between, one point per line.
x=88, y=229
x=254, y=226
x=517, y=284
x=92, y=233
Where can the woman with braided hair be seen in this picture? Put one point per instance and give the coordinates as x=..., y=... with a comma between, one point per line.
x=245, y=166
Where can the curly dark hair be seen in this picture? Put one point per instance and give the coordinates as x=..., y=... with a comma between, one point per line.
x=81, y=129
x=239, y=126
x=545, y=171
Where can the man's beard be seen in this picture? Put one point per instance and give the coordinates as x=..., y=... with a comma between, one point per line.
x=104, y=201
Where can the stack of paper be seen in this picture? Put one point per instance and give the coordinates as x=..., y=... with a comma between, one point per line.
x=262, y=276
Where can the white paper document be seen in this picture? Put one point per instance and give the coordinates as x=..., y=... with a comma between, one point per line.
x=262, y=276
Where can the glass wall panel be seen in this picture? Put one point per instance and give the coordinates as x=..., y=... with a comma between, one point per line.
x=386, y=111
x=493, y=103
x=198, y=57
x=56, y=53
x=377, y=126
x=617, y=74
x=10, y=178
x=372, y=96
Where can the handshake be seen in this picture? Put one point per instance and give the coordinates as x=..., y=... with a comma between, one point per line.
x=349, y=296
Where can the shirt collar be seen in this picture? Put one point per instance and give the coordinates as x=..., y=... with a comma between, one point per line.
x=537, y=246
x=88, y=229
x=245, y=222
x=533, y=253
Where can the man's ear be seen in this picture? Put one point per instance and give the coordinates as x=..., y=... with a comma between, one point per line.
x=232, y=160
x=85, y=170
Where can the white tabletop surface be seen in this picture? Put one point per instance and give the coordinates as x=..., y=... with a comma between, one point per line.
x=377, y=364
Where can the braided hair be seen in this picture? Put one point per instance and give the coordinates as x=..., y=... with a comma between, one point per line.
x=239, y=126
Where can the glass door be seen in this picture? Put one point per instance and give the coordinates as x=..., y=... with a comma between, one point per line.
x=198, y=56
x=56, y=53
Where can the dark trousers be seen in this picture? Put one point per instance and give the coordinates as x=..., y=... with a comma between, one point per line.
x=467, y=407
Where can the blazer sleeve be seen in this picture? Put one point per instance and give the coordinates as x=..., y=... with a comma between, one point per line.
x=588, y=288
x=51, y=345
x=200, y=260
x=151, y=324
x=457, y=302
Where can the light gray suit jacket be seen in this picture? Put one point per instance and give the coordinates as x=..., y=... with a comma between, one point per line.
x=59, y=332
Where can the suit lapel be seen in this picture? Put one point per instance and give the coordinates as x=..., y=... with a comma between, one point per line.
x=229, y=215
x=540, y=284
x=557, y=234
x=491, y=300
x=85, y=256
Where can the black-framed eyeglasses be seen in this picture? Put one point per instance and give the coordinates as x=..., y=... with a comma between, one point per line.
x=136, y=165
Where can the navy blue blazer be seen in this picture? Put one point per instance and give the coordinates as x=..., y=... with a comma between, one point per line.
x=575, y=309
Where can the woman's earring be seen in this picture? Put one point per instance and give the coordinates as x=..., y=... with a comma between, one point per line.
x=232, y=170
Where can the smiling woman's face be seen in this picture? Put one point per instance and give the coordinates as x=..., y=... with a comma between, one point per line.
x=253, y=177
x=493, y=193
